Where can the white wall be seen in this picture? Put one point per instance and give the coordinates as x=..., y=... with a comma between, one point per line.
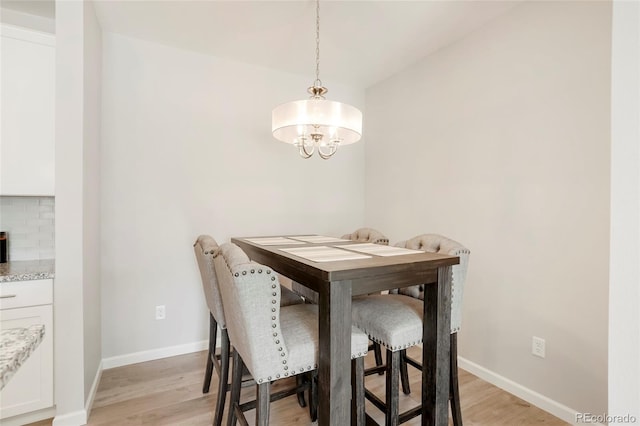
x=501, y=141
x=187, y=149
x=68, y=302
x=624, y=295
x=91, y=197
x=77, y=284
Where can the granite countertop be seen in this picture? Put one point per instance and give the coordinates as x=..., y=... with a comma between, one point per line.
x=16, y=345
x=26, y=270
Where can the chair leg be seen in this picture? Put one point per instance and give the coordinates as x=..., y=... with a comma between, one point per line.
x=223, y=378
x=404, y=373
x=213, y=331
x=236, y=386
x=358, y=417
x=454, y=391
x=392, y=397
x=377, y=352
x=262, y=407
x=313, y=396
x=299, y=381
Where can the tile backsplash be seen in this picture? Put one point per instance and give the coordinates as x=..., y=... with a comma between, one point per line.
x=30, y=223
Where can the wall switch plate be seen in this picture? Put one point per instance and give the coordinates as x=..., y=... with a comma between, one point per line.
x=161, y=312
x=538, y=347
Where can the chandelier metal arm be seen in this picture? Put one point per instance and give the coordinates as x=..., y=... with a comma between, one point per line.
x=307, y=154
x=332, y=150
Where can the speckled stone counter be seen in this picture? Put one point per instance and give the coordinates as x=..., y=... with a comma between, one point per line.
x=26, y=270
x=16, y=345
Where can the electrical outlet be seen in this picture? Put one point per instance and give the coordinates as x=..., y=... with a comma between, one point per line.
x=161, y=312
x=538, y=347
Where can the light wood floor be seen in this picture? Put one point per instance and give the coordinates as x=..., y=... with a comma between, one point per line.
x=169, y=392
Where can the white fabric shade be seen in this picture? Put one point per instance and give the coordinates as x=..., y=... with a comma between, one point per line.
x=332, y=119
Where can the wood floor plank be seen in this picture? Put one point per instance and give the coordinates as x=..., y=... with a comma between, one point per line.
x=118, y=384
x=169, y=392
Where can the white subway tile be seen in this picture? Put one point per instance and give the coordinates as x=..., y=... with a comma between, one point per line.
x=47, y=253
x=30, y=223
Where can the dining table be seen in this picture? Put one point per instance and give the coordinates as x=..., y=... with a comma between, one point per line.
x=339, y=270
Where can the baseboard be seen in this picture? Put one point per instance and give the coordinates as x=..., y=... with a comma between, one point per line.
x=81, y=417
x=92, y=392
x=547, y=404
x=76, y=418
x=153, y=354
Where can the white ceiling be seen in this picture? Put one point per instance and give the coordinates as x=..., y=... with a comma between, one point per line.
x=361, y=42
x=43, y=8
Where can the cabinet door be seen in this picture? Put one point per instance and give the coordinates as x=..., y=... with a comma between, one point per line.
x=31, y=387
x=27, y=105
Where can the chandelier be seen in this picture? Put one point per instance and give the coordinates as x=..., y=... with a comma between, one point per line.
x=316, y=123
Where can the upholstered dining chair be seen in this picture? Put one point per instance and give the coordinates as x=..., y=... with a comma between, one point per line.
x=395, y=321
x=273, y=342
x=204, y=248
x=367, y=235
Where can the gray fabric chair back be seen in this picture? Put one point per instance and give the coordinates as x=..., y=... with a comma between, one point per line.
x=251, y=295
x=368, y=235
x=204, y=247
x=434, y=243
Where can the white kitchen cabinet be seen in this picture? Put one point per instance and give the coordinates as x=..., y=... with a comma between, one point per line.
x=27, y=108
x=22, y=304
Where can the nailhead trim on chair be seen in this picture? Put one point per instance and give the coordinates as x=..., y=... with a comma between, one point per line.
x=456, y=251
x=386, y=345
x=274, y=325
x=286, y=371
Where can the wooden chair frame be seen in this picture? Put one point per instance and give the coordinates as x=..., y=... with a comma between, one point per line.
x=265, y=397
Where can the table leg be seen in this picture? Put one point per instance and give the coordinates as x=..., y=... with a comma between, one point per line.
x=435, y=351
x=334, y=364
